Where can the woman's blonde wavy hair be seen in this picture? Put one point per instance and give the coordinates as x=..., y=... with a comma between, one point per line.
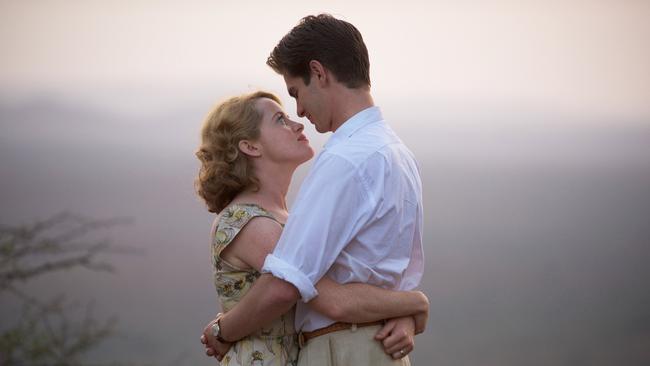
x=225, y=171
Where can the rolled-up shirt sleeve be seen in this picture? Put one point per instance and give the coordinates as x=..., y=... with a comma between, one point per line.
x=331, y=207
x=285, y=271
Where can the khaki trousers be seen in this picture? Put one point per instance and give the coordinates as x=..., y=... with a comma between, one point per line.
x=347, y=347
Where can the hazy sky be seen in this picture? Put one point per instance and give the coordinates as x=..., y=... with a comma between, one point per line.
x=584, y=57
x=530, y=119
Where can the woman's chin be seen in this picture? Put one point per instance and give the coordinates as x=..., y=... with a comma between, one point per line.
x=307, y=157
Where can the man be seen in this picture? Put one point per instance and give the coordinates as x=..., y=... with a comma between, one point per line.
x=358, y=216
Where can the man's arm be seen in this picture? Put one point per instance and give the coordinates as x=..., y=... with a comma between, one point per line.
x=268, y=298
x=330, y=210
x=253, y=243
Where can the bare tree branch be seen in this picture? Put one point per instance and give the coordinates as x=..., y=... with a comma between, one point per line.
x=29, y=251
x=44, y=334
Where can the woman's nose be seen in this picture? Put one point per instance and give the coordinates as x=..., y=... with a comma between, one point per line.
x=297, y=126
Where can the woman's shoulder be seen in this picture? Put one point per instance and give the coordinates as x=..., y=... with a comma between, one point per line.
x=250, y=229
x=239, y=213
x=239, y=217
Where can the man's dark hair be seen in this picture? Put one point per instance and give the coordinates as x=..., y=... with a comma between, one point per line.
x=335, y=43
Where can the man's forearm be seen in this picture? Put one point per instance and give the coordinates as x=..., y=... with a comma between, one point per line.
x=269, y=298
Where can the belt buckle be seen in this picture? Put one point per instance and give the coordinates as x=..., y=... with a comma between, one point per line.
x=301, y=339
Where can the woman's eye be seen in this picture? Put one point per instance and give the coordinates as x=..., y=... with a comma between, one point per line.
x=282, y=120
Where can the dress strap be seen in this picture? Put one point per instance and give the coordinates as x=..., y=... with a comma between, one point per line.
x=232, y=221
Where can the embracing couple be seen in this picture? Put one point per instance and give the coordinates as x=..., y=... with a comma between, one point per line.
x=331, y=283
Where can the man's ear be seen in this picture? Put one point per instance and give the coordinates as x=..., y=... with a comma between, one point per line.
x=319, y=73
x=249, y=148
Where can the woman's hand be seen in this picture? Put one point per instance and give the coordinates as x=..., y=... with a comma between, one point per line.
x=212, y=346
x=397, y=336
x=421, y=319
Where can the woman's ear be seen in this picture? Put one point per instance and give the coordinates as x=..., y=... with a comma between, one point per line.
x=249, y=148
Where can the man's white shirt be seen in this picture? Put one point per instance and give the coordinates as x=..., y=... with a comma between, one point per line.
x=357, y=217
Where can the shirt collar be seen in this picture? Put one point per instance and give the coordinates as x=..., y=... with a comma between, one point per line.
x=354, y=124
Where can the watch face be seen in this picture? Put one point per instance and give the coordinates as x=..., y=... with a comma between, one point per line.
x=215, y=329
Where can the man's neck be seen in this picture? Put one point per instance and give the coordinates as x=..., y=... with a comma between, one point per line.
x=349, y=102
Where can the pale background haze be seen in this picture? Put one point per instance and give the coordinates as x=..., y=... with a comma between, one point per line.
x=530, y=120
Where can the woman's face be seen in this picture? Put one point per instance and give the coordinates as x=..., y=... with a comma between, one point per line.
x=281, y=139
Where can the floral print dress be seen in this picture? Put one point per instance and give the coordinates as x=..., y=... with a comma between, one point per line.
x=275, y=344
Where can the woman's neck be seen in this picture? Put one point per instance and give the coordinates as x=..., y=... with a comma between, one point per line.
x=272, y=193
x=349, y=102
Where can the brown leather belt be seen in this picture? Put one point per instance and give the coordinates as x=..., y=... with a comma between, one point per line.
x=303, y=337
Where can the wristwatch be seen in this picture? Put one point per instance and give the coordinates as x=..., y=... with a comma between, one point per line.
x=216, y=329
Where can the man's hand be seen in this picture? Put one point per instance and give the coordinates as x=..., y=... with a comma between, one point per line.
x=212, y=346
x=397, y=336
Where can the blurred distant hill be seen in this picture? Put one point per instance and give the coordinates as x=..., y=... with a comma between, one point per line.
x=537, y=235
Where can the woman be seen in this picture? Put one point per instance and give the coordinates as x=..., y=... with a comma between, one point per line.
x=249, y=152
